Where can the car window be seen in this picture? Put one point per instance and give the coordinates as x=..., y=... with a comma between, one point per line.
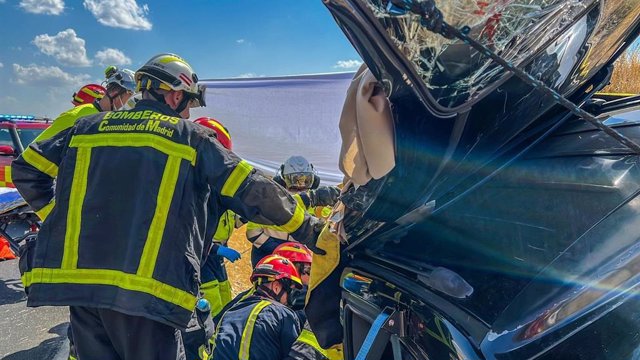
x=5, y=137
x=28, y=135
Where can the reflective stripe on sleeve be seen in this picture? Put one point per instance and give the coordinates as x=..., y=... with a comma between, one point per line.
x=40, y=162
x=237, y=177
x=46, y=210
x=295, y=222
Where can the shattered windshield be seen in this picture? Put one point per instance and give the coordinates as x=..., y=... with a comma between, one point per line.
x=453, y=72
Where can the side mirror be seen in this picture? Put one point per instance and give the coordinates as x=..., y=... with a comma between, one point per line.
x=7, y=150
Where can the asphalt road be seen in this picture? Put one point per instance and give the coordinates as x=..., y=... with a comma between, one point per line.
x=28, y=333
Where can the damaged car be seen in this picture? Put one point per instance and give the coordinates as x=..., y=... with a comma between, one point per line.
x=505, y=222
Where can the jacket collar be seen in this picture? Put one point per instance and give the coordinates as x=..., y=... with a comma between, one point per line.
x=146, y=104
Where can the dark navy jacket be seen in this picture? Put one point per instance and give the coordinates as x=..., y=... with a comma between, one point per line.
x=256, y=328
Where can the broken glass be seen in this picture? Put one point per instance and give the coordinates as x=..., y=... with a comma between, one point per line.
x=517, y=30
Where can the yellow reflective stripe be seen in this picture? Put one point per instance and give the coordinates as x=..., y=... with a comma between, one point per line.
x=92, y=93
x=226, y=226
x=225, y=293
x=7, y=174
x=74, y=214
x=307, y=337
x=202, y=353
x=294, y=223
x=46, y=210
x=247, y=333
x=238, y=175
x=299, y=200
x=211, y=291
x=136, y=140
x=40, y=162
x=115, y=278
x=156, y=230
x=170, y=58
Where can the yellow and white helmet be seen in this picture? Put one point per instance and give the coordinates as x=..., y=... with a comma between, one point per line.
x=168, y=72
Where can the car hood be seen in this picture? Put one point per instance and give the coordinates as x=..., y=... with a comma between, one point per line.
x=495, y=182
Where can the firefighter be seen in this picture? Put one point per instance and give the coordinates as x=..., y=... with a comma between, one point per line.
x=119, y=86
x=306, y=346
x=261, y=326
x=88, y=94
x=126, y=201
x=298, y=176
x=215, y=287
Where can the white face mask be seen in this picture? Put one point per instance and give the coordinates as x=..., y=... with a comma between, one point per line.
x=131, y=103
x=117, y=108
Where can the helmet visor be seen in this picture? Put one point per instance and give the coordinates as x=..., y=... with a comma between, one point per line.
x=199, y=99
x=298, y=181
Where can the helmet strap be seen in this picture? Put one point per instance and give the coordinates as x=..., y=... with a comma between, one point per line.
x=112, y=98
x=159, y=98
x=266, y=291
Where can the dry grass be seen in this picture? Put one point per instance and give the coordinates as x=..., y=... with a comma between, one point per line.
x=240, y=271
x=626, y=74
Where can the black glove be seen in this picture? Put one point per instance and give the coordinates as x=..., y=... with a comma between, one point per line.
x=324, y=196
x=317, y=226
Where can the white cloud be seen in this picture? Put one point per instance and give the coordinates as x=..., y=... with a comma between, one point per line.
x=348, y=64
x=126, y=14
x=112, y=57
x=66, y=47
x=240, y=41
x=48, y=7
x=51, y=76
x=1, y=64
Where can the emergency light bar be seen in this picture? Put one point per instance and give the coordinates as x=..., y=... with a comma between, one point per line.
x=17, y=117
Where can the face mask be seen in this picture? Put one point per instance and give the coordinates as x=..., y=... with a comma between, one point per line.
x=297, y=297
x=121, y=103
x=131, y=103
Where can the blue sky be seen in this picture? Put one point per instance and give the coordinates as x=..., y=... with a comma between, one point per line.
x=49, y=48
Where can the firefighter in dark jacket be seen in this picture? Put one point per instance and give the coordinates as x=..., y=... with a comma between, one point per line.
x=125, y=197
x=261, y=326
x=306, y=346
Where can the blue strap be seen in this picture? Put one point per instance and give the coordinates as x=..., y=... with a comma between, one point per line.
x=371, y=336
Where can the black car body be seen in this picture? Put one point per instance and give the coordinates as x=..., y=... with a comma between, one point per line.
x=509, y=227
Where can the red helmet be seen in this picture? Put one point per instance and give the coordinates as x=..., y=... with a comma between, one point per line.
x=273, y=268
x=88, y=94
x=222, y=134
x=294, y=251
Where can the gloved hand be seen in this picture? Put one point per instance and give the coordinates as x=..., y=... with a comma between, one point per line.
x=317, y=226
x=324, y=196
x=228, y=253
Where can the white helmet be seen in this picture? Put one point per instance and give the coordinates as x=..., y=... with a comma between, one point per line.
x=298, y=174
x=172, y=73
x=125, y=78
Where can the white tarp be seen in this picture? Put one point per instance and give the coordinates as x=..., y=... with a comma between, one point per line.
x=271, y=119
